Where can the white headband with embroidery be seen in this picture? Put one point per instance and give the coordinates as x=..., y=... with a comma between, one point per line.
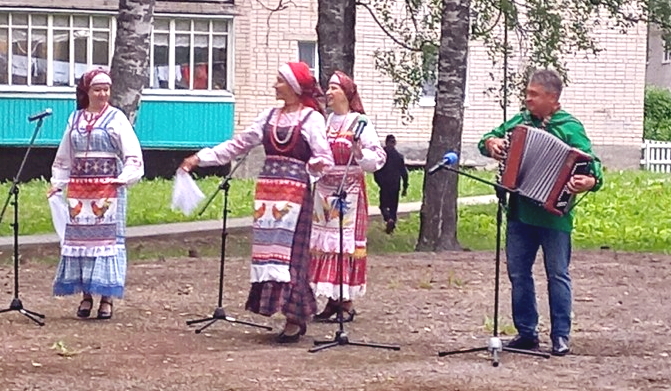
x=288, y=75
x=334, y=79
x=101, y=78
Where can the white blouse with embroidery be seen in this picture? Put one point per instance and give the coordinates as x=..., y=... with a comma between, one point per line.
x=374, y=155
x=313, y=131
x=122, y=134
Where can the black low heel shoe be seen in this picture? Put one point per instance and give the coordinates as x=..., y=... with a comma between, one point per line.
x=85, y=313
x=286, y=338
x=105, y=314
x=348, y=316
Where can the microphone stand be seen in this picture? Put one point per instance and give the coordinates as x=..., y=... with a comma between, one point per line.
x=494, y=346
x=341, y=337
x=16, y=304
x=219, y=312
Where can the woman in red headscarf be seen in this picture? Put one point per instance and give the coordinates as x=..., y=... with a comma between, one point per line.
x=363, y=151
x=294, y=139
x=97, y=159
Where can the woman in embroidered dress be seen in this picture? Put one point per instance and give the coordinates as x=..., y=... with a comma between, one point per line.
x=367, y=156
x=97, y=159
x=294, y=140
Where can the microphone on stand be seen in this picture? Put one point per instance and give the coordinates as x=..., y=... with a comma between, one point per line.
x=363, y=121
x=41, y=115
x=448, y=159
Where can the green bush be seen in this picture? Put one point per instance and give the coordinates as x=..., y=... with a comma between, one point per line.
x=657, y=114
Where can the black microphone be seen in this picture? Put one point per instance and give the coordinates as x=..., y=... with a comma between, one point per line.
x=41, y=115
x=363, y=121
x=448, y=159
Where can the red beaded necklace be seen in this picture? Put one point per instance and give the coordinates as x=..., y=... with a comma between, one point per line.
x=92, y=118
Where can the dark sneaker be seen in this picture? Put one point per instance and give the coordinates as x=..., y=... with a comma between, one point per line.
x=560, y=346
x=523, y=343
x=391, y=224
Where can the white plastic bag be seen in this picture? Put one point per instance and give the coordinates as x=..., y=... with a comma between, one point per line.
x=59, y=213
x=185, y=194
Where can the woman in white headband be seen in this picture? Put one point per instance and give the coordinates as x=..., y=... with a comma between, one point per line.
x=294, y=140
x=98, y=157
x=349, y=142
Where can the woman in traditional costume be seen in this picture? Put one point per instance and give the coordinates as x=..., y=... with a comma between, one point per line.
x=98, y=158
x=294, y=140
x=366, y=155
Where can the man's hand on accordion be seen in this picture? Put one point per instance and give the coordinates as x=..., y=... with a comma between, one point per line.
x=581, y=183
x=496, y=147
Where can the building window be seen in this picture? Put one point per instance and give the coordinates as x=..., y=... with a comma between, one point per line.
x=190, y=54
x=52, y=50
x=307, y=53
x=667, y=54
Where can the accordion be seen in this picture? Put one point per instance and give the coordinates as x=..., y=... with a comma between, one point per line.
x=538, y=165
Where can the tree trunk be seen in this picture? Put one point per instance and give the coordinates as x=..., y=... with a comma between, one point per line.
x=130, y=64
x=335, y=36
x=438, y=216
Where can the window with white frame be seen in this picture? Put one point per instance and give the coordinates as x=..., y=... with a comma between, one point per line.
x=42, y=49
x=190, y=54
x=667, y=53
x=307, y=53
x=52, y=50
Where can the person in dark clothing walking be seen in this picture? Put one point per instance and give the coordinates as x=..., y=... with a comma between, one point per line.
x=388, y=178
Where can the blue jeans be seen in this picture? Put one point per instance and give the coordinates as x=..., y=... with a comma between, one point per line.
x=522, y=243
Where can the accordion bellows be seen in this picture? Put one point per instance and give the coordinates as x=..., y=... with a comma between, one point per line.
x=538, y=165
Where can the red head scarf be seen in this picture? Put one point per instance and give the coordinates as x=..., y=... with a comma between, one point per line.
x=298, y=75
x=96, y=76
x=349, y=87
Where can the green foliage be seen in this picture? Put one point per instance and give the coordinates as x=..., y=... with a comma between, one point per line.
x=544, y=34
x=630, y=212
x=149, y=201
x=657, y=114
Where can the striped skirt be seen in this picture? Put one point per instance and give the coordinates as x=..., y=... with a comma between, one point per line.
x=294, y=299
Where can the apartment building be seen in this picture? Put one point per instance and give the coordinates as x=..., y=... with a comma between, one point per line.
x=213, y=64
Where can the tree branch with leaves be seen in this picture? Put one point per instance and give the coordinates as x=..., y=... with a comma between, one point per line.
x=545, y=33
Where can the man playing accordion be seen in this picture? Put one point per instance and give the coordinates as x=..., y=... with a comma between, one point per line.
x=530, y=226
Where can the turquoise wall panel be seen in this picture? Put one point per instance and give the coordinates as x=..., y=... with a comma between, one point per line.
x=15, y=130
x=160, y=124
x=184, y=124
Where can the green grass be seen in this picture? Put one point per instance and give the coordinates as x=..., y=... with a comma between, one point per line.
x=630, y=213
x=149, y=201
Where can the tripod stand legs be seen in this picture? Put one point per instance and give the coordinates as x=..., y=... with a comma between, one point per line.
x=495, y=347
x=341, y=338
x=17, y=305
x=220, y=314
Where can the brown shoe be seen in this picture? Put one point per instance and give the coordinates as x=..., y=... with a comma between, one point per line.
x=330, y=310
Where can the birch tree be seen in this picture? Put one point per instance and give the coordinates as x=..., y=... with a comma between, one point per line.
x=130, y=63
x=336, y=37
x=546, y=33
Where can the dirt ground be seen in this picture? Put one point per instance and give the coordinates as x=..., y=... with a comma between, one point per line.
x=425, y=303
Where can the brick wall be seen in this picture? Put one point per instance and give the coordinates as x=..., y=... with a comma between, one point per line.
x=605, y=92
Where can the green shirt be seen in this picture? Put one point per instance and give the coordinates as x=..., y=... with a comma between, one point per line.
x=571, y=131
